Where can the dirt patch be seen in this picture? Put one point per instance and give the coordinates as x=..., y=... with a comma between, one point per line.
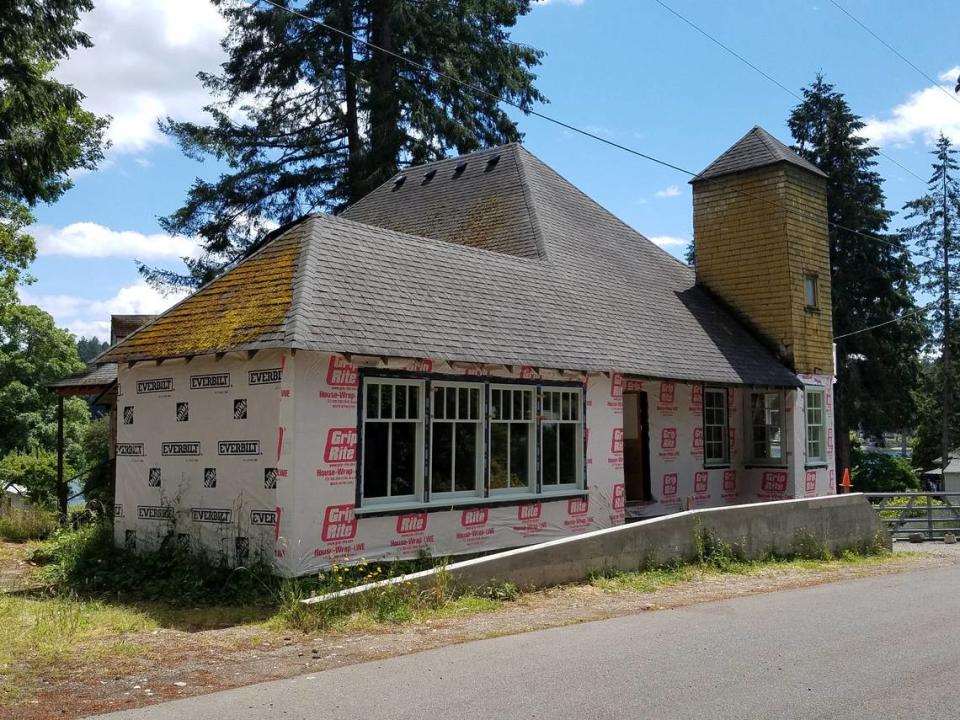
x=167, y=664
x=14, y=567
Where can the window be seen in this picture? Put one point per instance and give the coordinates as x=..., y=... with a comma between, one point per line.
x=766, y=424
x=716, y=428
x=810, y=291
x=392, y=439
x=561, y=438
x=443, y=440
x=512, y=432
x=456, y=436
x=816, y=427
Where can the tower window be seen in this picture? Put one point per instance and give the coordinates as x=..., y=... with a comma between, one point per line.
x=810, y=290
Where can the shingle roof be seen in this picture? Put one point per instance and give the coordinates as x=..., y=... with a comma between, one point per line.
x=755, y=149
x=246, y=307
x=544, y=277
x=92, y=376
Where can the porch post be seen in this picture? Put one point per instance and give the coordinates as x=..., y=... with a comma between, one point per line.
x=61, y=485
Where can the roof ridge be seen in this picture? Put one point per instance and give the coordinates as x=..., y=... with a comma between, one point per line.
x=602, y=209
x=521, y=163
x=292, y=323
x=765, y=138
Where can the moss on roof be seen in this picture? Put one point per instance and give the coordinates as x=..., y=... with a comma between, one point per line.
x=245, y=305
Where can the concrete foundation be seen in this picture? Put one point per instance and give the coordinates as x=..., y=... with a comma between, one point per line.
x=756, y=531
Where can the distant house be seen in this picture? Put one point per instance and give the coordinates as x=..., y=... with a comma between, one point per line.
x=14, y=497
x=477, y=355
x=945, y=479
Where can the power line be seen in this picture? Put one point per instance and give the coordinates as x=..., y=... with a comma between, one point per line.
x=888, y=322
x=556, y=121
x=573, y=128
x=895, y=51
x=769, y=77
x=475, y=88
x=728, y=49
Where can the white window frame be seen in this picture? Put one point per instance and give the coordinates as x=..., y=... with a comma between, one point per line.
x=417, y=494
x=724, y=426
x=821, y=457
x=812, y=282
x=576, y=419
x=754, y=460
x=531, y=424
x=479, y=421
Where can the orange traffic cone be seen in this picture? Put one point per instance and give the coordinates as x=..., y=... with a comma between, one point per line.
x=845, y=483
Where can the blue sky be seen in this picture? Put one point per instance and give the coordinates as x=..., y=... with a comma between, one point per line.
x=624, y=69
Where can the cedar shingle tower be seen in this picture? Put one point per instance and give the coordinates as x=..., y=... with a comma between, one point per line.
x=760, y=228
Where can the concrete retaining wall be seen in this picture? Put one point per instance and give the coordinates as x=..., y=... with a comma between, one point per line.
x=838, y=523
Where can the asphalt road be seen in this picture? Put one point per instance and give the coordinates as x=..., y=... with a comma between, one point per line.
x=881, y=647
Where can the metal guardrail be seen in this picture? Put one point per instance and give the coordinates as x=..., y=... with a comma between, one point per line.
x=930, y=513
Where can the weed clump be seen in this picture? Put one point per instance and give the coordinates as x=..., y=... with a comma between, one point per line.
x=32, y=523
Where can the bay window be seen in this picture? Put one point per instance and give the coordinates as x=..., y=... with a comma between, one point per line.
x=766, y=426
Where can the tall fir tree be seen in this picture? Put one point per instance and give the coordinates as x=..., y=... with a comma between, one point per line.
x=44, y=130
x=871, y=273
x=307, y=119
x=936, y=234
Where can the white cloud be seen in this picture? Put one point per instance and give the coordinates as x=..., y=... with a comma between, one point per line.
x=88, y=239
x=923, y=116
x=668, y=241
x=84, y=316
x=144, y=63
x=668, y=192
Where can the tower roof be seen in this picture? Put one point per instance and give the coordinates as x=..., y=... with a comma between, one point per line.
x=757, y=148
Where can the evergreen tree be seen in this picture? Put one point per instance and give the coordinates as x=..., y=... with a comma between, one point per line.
x=44, y=130
x=871, y=278
x=89, y=348
x=936, y=234
x=308, y=120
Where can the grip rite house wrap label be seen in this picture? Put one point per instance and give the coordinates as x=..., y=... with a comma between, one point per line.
x=341, y=382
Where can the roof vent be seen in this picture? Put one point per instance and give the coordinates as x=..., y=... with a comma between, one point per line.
x=428, y=176
x=460, y=168
x=492, y=162
x=399, y=182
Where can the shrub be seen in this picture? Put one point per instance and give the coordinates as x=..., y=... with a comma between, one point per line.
x=877, y=472
x=917, y=509
x=36, y=471
x=32, y=523
x=85, y=561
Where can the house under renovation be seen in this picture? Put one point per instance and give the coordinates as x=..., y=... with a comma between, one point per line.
x=478, y=356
